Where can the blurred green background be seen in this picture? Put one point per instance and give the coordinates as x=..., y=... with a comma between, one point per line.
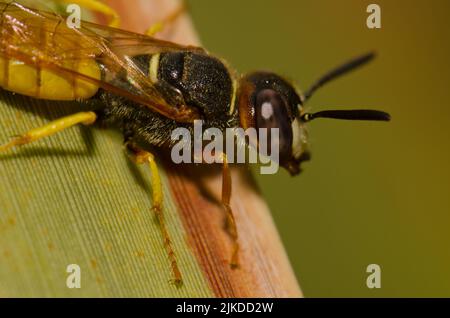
x=373, y=192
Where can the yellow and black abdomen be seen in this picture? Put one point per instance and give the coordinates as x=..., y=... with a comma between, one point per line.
x=34, y=81
x=46, y=41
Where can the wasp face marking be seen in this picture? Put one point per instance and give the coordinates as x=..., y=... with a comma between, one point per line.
x=298, y=138
x=300, y=150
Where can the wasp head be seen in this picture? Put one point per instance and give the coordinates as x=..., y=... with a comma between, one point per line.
x=266, y=100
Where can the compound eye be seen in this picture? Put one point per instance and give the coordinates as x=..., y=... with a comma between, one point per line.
x=271, y=112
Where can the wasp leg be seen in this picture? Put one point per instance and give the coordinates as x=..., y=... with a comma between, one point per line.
x=140, y=157
x=173, y=16
x=86, y=118
x=231, y=222
x=97, y=6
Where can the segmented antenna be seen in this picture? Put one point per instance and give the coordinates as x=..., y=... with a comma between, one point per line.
x=341, y=70
x=354, y=114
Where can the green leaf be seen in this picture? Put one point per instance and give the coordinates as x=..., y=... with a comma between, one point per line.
x=75, y=198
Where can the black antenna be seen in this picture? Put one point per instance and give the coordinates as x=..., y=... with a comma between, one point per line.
x=341, y=70
x=355, y=114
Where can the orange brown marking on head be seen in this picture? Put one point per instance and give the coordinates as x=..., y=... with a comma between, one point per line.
x=245, y=106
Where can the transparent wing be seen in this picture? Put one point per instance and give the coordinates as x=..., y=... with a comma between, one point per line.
x=43, y=39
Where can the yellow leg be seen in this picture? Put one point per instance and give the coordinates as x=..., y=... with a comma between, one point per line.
x=140, y=157
x=231, y=222
x=51, y=128
x=97, y=6
x=160, y=25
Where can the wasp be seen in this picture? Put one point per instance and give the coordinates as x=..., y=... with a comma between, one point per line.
x=148, y=87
